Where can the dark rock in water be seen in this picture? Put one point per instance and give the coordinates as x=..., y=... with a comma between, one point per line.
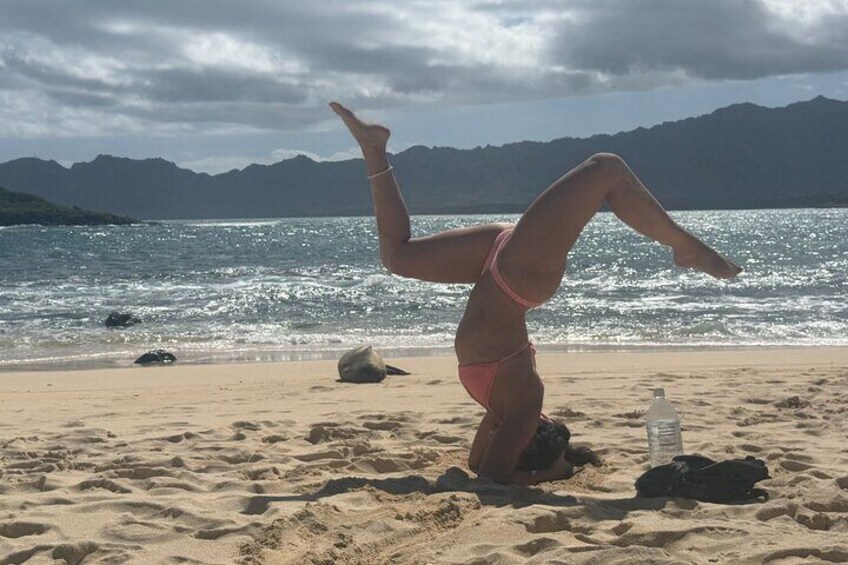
x=159, y=356
x=121, y=320
x=362, y=365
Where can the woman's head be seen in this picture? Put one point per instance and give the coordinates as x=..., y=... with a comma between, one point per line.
x=549, y=442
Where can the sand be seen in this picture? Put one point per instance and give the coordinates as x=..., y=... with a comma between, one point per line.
x=278, y=463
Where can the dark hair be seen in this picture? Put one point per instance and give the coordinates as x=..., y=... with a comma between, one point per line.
x=549, y=442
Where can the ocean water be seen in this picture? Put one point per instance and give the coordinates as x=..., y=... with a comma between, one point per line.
x=312, y=287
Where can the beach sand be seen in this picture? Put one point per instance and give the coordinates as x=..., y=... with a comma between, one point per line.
x=278, y=463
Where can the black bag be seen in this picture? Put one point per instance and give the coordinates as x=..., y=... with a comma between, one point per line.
x=701, y=478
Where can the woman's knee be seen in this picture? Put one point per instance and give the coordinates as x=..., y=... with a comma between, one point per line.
x=392, y=259
x=608, y=162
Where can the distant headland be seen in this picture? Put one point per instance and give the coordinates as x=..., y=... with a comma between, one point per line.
x=18, y=208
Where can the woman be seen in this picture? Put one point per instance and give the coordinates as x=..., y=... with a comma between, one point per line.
x=514, y=268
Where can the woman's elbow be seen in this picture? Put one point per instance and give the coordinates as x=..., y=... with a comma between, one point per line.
x=387, y=259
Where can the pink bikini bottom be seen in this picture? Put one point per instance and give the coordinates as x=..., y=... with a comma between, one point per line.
x=479, y=378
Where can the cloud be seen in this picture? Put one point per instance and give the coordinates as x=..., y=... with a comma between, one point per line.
x=719, y=39
x=98, y=67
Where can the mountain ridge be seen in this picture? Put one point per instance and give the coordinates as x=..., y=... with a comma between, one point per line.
x=738, y=156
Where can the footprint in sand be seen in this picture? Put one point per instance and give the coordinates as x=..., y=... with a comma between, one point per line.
x=15, y=530
x=457, y=420
x=817, y=521
x=105, y=484
x=242, y=456
x=756, y=400
x=329, y=431
x=180, y=437
x=245, y=425
x=536, y=546
x=385, y=425
x=568, y=414
x=664, y=538
x=170, y=485
x=275, y=438
x=622, y=528
x=140, y=472
x=261, y=473
x=139, y=531
x=439, y=437
x=758, y=418
x=218, y=533
x=773, y=510
x=633, y=419
x=74, y=553
x=750, y=448
x=837, y=504
x=381, y=465
x=547, y=523
x=793, y=402
x=317, y=456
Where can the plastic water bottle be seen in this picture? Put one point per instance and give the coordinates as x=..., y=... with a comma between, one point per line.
x=663, y=424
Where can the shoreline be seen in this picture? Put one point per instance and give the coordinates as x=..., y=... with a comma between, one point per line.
x=281, y=357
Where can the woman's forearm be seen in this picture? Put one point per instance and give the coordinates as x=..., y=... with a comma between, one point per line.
x=535, y=477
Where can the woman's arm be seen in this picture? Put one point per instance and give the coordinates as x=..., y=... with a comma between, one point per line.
x=495, y=454
x=481, y=442
x=560, y=469
x=506, y=445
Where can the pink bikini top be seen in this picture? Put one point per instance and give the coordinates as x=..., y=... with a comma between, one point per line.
x=491, y=264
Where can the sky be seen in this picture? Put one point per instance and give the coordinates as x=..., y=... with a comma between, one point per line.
x=214, y=85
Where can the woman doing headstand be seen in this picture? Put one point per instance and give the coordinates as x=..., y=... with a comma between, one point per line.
x=514, y=268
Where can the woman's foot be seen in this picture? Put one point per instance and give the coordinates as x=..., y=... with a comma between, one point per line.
x=698, y=255
x=369, y=136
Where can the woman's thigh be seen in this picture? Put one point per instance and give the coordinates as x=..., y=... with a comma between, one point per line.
x=453, y=256
x=533, y=260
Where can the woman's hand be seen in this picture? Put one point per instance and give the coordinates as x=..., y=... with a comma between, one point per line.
x=561, y=468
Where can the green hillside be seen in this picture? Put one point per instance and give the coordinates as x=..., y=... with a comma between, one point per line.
x=19, y=208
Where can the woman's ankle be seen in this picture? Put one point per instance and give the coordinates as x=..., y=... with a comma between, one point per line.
x=376, y=159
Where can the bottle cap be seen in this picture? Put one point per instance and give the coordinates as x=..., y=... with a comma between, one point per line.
x=659, y=393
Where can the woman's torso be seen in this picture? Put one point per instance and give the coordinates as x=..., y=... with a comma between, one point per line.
x=492, y=326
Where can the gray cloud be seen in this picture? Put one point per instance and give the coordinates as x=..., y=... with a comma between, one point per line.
x=199, y=65
x=719, y=39
x=217, y=85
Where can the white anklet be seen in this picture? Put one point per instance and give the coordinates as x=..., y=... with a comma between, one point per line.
x=377, y=174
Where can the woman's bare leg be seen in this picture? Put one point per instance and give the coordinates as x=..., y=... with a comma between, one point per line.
x=533, y=260
x=454, y=256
